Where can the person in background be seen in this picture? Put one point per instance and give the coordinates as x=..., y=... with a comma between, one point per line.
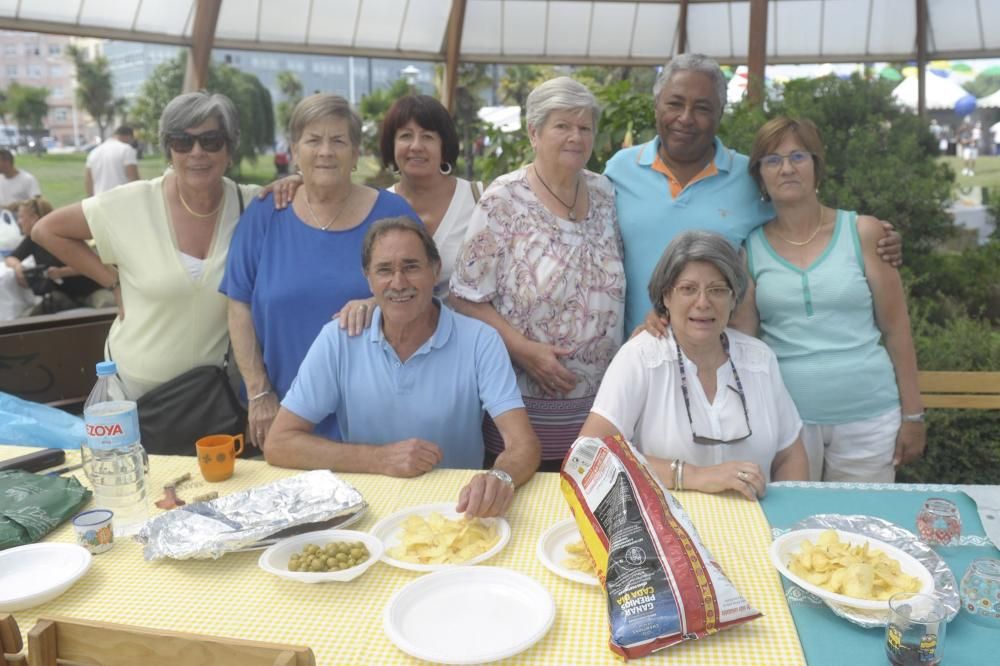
x=113, y=163
x=15, y=184
x=72, y=290
x=410, y=394
x=967, y=148
x=705, y=403
x=825, y=305
x=290, y=270
x=686, y=178
x=542, y=264
x=162, y=246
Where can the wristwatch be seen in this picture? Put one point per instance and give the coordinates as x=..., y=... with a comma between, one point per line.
x=913, y=418
x=503, y=476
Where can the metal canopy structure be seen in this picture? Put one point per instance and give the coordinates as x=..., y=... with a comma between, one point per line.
x=608, y=32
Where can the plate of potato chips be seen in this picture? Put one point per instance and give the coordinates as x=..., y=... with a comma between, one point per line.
x=562, y=551
x=848, y=569
x=433, y=537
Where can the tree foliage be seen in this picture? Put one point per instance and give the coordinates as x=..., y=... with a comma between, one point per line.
x=95, y=92
x=518, y=81
x=291, y=88
x=27, y=104
x=248, y=94
x=983, y=85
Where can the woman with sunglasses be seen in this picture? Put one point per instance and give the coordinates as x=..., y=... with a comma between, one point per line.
x=834, y=314
x=705, y=403
x=162, y=246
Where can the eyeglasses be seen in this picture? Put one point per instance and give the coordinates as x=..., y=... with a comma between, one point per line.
x=182, y=142
x=774, y=161
x=409, y=270
x=717, y=293
x=738, y=389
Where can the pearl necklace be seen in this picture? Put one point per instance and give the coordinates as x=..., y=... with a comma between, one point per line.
x=343, y=205
x=570, y=207
x=819, y=225
x=196, y=214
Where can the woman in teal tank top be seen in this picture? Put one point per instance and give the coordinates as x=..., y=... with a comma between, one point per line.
x=826, y=303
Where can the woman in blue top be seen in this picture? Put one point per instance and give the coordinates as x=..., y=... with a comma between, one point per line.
x=289, y=270
x=825, y=303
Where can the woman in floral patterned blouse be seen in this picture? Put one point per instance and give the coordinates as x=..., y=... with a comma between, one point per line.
x=542, y=263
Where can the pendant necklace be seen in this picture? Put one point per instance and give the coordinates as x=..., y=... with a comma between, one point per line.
x=196, y=214
x=570, y=207
x=819, y=225
x=343, y=205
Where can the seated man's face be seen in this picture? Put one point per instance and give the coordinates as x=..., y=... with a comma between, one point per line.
x=401, y=276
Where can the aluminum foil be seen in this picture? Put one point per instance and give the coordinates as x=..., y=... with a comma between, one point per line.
x=944, y=580
x=241, y=520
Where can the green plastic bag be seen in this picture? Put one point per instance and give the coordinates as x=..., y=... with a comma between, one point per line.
x=32, y=505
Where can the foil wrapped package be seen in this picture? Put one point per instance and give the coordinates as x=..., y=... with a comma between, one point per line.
x=242, y=520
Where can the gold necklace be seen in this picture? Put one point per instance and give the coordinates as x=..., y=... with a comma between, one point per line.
x=343, y=205
x=570, y=207
x=196, y=214
x=819, y=225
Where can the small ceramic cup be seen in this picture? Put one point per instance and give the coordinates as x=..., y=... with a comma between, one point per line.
x=93, y=530
x=217, y=455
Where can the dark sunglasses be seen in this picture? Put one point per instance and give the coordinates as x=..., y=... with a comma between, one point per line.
x=212, y=141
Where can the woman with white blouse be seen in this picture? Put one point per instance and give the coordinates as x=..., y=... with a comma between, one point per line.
x=705, y=404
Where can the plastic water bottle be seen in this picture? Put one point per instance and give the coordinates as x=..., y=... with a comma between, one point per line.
x=113, y=457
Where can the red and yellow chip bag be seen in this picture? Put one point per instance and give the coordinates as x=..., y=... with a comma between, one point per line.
x=662, y=584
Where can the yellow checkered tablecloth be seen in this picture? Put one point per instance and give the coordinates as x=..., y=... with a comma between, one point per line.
x=342, y=622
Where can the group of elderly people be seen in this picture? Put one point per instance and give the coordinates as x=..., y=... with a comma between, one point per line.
x=441, y=324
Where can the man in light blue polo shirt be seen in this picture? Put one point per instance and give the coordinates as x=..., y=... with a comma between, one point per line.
x=409, y=393
x=685, y=178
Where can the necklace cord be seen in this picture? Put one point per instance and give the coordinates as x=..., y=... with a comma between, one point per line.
x=315, y=217
x=576, y=194
x=196, y=214
x=819, y=225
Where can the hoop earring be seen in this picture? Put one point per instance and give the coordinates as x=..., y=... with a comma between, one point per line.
x=445, y=169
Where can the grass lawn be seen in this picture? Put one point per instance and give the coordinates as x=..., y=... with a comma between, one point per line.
x=987, y=172
x=61, y=176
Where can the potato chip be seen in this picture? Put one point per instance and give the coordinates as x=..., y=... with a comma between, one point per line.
x=579, y=558
x=434, y=539
x=854, y=571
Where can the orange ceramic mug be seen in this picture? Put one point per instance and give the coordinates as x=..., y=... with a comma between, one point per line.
x=217, y=455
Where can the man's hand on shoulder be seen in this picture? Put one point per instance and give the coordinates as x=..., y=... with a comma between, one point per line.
x=409, y=457
x=486, y=496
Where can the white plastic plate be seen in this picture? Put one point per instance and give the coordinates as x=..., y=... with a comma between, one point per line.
x=552, y=551
x=34, y=574
x=469, y=615
x=275, y=559
x=390, y=530
x=789, y=543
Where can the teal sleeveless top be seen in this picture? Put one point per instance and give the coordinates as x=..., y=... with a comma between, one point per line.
x=820, y=322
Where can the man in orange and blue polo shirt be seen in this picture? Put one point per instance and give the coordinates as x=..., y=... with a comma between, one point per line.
x=685, y=178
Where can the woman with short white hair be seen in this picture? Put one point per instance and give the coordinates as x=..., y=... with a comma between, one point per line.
x=542, y=263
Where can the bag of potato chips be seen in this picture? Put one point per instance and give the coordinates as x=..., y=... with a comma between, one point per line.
x=662, y=584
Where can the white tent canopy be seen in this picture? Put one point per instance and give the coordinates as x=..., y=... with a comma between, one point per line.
x=989, y=102
x=942, y=93
x=538, y=31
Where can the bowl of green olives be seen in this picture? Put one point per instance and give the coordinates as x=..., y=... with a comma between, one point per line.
x=322, y=557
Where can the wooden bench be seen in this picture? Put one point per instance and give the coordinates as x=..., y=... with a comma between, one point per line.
x=51, y=358
x=960, y=390
x=55, y=641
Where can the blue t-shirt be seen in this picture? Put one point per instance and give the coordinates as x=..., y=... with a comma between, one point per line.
x=295, y=277
x=727, y=203
x=438, y=394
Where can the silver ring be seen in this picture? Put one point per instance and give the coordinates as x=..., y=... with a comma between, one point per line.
x=742, y=476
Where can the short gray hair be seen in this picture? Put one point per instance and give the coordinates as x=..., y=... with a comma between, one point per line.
x=694, y=62
x=401, y=223
x=320, y=106
x=559, y=94
x=703, y=246
x=192, y=109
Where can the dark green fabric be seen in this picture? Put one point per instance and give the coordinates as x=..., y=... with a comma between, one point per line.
x=32, y=505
